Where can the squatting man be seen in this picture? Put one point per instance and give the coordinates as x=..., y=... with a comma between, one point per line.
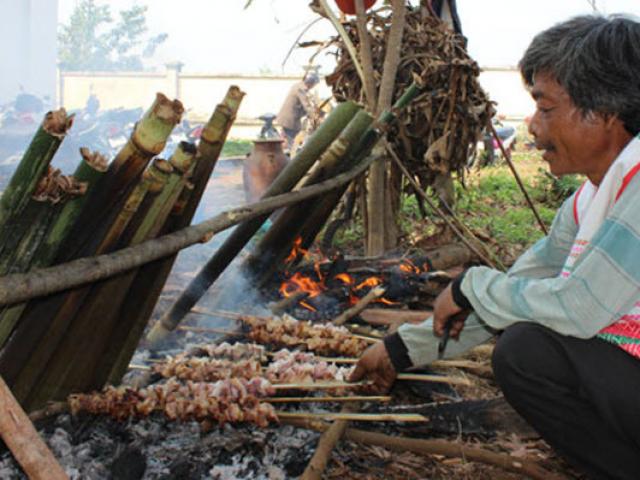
x=568, y=311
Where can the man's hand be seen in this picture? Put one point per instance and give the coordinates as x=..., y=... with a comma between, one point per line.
x=445, y=310
x=375, y=365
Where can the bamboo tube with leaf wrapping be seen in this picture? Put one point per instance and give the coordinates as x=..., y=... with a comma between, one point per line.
x=284, y=182
x=90, y=169
x=33, y=166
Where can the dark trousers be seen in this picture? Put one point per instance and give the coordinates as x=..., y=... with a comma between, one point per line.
x=582, y=396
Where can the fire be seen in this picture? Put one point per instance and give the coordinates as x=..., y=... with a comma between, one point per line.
x=296, y=251
x=369, y=282
x=409, y=267
x=301, y=283
x=345, y=278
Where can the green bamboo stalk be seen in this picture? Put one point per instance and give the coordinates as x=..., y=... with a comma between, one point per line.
x=105, y=339
x=72, y=367
x=90, y=169
x=36, y=380
x=147, y=140
x=288, y=178
x=34, y=164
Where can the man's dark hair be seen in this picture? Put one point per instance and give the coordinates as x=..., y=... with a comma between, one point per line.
x=596, y=60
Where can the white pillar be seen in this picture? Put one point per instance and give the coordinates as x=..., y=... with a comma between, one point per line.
x=28, y=33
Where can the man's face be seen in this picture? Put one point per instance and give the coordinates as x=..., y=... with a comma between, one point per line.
x=573, y=142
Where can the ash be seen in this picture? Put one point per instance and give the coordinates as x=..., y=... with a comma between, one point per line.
x=95, y=448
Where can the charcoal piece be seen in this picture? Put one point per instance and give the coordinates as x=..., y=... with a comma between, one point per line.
x=129, y=464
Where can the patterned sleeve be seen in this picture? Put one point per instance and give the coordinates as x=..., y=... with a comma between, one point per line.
x=604, y=284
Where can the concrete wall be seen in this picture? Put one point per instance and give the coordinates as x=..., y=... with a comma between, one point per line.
x=28, y=53
x=201, y=92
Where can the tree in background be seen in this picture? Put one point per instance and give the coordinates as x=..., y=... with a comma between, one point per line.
x=92, y=40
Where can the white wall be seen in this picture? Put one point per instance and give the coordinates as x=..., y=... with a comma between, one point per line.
x=28, y=53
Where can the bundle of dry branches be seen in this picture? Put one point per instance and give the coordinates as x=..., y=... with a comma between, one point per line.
x=438, y=132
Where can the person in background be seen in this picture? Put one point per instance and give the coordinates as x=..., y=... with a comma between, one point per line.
x=568, y=358
x=296, y=105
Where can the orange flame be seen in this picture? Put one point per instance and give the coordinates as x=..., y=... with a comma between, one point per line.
x=409, y=267
x=296, y=250
x=386, y=301
x=369, y=282
x=344, y=278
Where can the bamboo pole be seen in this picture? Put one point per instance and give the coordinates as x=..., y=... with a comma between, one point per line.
x=277, y=243
x=19, y=287
x=286, y=180
x=23, y=440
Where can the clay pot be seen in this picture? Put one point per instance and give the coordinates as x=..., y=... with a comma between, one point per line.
x=349, y=6
x=261, y=167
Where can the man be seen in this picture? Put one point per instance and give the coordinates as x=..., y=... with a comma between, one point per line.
x=297, y=105
x=569, y=357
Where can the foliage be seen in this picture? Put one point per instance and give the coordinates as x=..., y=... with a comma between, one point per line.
x=92, y=40
x=236, y=148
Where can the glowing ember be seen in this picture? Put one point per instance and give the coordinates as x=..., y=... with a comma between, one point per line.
x=345, y=278
x=369, y=282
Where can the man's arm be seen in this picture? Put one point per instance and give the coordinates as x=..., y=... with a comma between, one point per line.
x=604, y=284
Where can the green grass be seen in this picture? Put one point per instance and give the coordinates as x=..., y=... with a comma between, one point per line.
x=236, y=148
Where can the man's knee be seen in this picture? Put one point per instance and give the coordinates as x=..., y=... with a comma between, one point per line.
x=519, y=352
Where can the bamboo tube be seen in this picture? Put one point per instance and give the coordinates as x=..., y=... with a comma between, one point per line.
x=94, y=222
x=151, y=278
x=75, y=324
x=277, y=243
x=147, y=140
x=521, y=466
x=23, y=440
x=34, y=164
x=356, y=417
x=89, y=171
x=56, y=333
x=288, y=178
x=123, y=333
x=321, y=211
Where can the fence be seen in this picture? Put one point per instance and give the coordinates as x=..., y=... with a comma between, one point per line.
x=265, y=93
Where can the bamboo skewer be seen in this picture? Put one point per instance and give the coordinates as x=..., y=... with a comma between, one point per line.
x=319, y=385
x=352, y=398
x=358, y=417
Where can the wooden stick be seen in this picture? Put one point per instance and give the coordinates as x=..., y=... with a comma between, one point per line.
x=521, y=466
x=373, y=294
x=278, y=308
x=319, y=385
x=327, y=442
x=138, y=367
x=419, y=377
x=220, y=331
x=23, y=440
x=357, y=417
x=353, y=398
